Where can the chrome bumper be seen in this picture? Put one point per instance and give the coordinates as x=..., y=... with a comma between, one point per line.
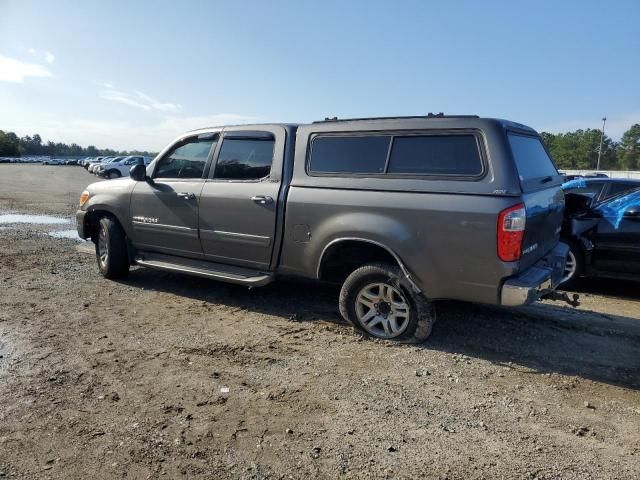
x=536, y=281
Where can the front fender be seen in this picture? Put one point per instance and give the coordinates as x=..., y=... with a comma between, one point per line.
x=97, y=205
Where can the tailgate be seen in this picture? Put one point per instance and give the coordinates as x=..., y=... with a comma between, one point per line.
x=542, y=195
x=544, y=220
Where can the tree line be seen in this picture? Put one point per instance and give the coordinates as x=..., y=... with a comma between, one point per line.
x=576, y=150
x=13, y=146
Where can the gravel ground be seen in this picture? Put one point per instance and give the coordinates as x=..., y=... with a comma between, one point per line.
x=168, y=376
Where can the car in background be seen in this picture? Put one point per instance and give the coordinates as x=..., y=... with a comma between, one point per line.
x=603, y=236
x=120, y=168
x=92, y=162
x=600, y=188
x=53, y=161
x=100, y=168
x=95, y=164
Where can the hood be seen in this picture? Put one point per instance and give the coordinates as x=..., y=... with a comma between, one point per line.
x=120, y=185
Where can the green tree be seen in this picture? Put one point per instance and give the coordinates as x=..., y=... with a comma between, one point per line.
x=9, y=145
x=629, y=148
x=579, y=150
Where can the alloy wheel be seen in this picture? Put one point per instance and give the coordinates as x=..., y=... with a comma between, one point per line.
x=569, y=268
x=103, y=247
x=382, y=310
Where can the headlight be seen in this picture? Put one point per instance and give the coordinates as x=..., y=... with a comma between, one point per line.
x=84, y=197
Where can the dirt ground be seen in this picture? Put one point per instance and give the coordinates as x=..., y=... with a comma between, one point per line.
x=169, y=376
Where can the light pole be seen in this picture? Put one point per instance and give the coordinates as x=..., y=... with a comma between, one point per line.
x=604, y=120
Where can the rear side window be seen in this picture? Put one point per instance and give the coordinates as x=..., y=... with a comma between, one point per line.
x=453, y=154
x=244, y=159
x=531, y=158
x=342, y=154
x=435, y=155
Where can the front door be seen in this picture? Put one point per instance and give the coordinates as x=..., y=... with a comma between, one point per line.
x=164, y=210
x=617, y=239
x=239, y=201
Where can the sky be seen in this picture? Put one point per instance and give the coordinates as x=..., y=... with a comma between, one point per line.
x=135, y=74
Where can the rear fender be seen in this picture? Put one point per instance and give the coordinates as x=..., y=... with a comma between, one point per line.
x=379, y=230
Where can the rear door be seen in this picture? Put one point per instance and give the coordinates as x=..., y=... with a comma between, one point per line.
x=542, y=195
x=164, y=211
x=239, y=200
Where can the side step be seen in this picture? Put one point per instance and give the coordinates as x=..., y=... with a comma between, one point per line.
x=216, y=271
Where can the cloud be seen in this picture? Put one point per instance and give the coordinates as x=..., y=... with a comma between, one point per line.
x=32, y=51
x=125, y=98
x=137, y=99
x=49, y=57
x=616, y=124
x=12, y=70
x=106, y=85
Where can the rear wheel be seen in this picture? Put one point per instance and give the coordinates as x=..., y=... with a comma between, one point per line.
x=375, y=301
x=111, y=249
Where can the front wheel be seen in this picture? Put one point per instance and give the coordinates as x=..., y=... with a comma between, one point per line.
x=111, y=249
x=375, y=301
x=574, y=266
x=113, y=174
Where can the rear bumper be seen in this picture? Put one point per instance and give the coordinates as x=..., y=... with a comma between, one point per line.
x=536, y=281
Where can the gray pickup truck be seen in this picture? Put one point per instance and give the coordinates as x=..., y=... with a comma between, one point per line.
x=400, y=211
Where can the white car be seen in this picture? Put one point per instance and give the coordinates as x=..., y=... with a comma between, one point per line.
x=96, y=164
x=101, y=168
x=120, y=168
x=53, y=161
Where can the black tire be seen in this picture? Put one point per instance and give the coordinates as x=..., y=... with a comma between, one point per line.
x=113, y=174
x=421, y=313
x=578, y=256
x=113, y=262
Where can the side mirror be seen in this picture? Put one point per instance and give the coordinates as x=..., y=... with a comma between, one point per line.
x=138, y=173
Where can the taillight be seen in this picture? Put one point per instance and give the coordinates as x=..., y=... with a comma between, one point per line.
x=511, y=223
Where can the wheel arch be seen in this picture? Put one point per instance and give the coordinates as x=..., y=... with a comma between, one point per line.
x=375, y=251
x=93, y=216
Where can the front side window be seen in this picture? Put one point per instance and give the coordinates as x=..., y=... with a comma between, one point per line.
x=244, y=159
x=185, y=160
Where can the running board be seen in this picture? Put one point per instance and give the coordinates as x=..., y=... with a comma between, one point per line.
x=215, y=271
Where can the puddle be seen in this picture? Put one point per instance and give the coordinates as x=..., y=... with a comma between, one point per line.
x=71, y=234
x=32, y=219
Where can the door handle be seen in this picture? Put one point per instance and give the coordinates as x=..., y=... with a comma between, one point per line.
x=187, y=195
x=262, y=199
